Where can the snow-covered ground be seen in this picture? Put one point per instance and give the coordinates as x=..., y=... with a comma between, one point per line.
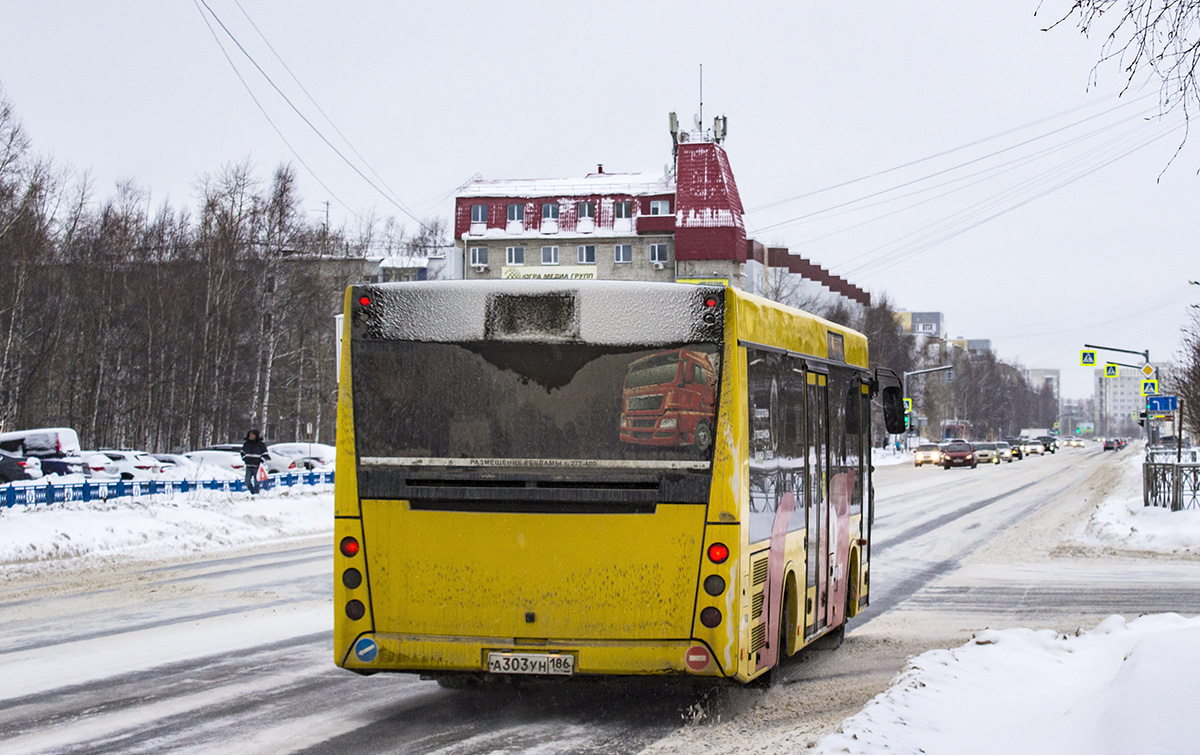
x=1122, y=521
x=1123, y=687
x=162, y=526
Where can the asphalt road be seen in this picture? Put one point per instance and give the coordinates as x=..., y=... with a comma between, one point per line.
x=171, y=657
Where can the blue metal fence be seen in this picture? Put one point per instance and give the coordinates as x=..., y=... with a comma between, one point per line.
x=12, y=495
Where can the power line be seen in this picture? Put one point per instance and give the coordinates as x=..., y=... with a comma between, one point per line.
x=317, y=105
x=262, y=110
x=960, y=148
x=307, y=122
x=937, y=173
x=900, y=254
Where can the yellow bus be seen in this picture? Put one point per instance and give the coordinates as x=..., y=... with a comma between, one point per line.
x=597, y=478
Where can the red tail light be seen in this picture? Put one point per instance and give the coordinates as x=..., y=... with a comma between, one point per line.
x=349, y=547
x=717, y=553
x=365, y=301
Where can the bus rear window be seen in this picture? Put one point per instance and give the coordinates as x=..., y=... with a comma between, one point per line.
x=534, y=401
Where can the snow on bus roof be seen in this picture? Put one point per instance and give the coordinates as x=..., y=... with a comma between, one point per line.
x=461, y=311
x=593, y=183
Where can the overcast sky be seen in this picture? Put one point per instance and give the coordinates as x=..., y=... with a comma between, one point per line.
x=1085, y=245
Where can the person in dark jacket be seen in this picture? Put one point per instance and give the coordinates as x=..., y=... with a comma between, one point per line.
x=254, y=453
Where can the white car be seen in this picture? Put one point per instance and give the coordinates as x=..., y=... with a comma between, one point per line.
x=134, y=465
x=299, y=457
x=98, y=466
x=223, y=459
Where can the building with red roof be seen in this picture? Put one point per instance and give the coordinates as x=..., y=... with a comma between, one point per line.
x=685, y=224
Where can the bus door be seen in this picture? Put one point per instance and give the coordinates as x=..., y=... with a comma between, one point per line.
x=817, y=512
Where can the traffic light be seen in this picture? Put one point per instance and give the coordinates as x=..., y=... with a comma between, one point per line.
x=1141, y=419
x=1077, y=431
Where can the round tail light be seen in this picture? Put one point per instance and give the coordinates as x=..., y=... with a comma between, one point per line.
x=356, y=610
x=349, y=547
x=710, y=617
x=717, y=553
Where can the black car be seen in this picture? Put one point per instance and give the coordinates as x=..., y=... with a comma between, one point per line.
x=14, y=467
x=1050, y=442
x=1018, y=451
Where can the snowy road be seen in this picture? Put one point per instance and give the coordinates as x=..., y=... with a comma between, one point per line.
x=233, y=652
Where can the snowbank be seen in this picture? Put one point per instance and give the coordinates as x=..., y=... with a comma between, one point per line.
x=162, y=526
x=889, y=457
x=1124, y=687
x=1121, y=520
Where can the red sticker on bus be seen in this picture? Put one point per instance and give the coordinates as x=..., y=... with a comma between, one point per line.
x=697, y=658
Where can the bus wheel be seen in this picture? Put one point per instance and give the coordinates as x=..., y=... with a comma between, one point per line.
x=702, y=438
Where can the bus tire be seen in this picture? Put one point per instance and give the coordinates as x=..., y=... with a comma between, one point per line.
x=703, y=437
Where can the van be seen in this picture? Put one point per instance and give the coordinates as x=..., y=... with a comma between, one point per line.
x=57, y=447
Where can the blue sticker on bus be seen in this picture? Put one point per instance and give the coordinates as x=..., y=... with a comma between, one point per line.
x=365, y=650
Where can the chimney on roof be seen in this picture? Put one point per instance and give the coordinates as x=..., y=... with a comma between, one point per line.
x=599, y=167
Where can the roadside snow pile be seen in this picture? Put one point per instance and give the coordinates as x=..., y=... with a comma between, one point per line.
x=161, y=526
x=1121, y=520
x=1124, y=687
x=890, y=457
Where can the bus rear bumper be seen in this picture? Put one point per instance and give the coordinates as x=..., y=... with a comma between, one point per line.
x=437, y=655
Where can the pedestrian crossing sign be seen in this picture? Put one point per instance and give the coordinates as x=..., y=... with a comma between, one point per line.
x=1087, y=358
x=1149, y=387
x=1110, y=370
x=908, y=404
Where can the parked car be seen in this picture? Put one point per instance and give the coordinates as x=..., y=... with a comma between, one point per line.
x=319, y=454
x=221, y=456
x=134, y=465
x=56, y=447
x=927, y=453
x=15, y=467
x=959, y=455
x=310, y=464
x=98, y=466
x=986, y=453
x=1004, y=451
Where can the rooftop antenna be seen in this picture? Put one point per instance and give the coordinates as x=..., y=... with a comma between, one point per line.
x=702, y=95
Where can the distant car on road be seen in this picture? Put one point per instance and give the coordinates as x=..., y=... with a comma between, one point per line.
x=1017, y=446
x=986, y=453
x=1004, y=451
x=14, y=467
x=1049, y=442
x=927, y=453
x=959, y=455
x=1034, y=446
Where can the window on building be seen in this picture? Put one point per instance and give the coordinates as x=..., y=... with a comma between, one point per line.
x=549, y=255
x=516, y=255
x=478, y=213
x=623, y=209
x=658, y=253
x=623, y=253
x=479, y=255
x=660, y=207
x=550, y=211
x=587, y=254
x=585, y=210
x=516, y=213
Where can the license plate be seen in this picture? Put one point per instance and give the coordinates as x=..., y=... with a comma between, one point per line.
x=530, y=663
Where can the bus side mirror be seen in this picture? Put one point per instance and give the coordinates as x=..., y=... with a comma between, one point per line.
x=891, y=395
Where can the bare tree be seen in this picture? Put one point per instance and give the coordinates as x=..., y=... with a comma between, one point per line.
x=1159, y=37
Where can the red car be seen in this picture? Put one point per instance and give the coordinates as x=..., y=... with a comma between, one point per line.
x=959, y=455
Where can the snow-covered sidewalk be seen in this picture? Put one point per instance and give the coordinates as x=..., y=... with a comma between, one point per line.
x=162, y=526
x=1121, y=521
x=1123, y=687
